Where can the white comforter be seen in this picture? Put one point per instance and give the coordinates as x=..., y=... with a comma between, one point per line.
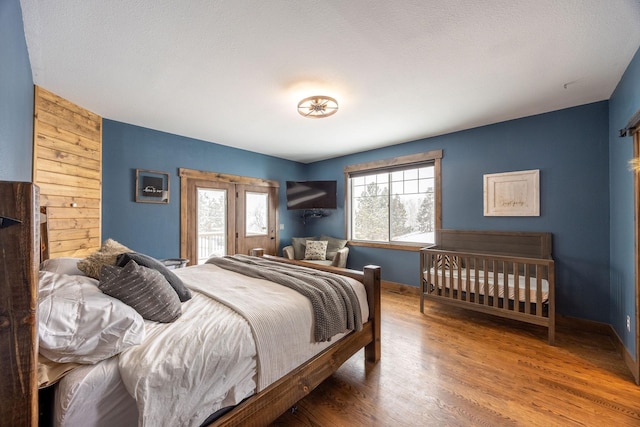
x=186, y=370
x=179, y=375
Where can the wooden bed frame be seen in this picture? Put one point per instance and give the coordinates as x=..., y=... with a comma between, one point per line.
x=524, y=255
x=20, y=258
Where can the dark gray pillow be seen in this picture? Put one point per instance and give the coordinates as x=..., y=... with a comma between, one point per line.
x=144, y=289
x=299, y=245
x=146, y=261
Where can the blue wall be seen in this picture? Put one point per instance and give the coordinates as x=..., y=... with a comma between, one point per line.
x=624, y=102
x=570, y=147
x=155, y=228
x=586, y=188
x=16, y=97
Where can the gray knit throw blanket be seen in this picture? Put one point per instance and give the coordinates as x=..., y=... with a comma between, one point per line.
x=335, y=305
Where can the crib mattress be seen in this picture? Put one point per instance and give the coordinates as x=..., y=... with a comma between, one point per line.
x=450, y=280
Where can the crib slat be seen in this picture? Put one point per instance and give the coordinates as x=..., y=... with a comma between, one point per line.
x=527, y=288
x=433, y=289
x=516, y=286
x=441, y=275
x=538, y=290
x=478, y=287
x=434, y=278
x=459, y=280
x=465, y=269
x=486, y=281
x=446, y=283
x=496, y=284
x=505, y=285
x=424, y=283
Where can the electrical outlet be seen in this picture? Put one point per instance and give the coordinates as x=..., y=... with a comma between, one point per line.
x=628, y=323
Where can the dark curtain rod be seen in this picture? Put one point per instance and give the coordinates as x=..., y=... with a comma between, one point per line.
x=631, y=125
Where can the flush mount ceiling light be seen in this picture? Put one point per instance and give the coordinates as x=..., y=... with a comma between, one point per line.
x=316, y=107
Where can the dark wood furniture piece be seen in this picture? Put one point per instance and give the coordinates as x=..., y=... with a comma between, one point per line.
x=19, y=259
x=20, y=256
x=468, y=269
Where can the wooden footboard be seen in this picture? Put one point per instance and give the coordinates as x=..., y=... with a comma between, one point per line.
x=508, y=274
x=266, y=406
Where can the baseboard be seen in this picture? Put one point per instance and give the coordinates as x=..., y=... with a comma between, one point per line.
x=626, y=356
x=604, y=329
x=584, y=325
x=399, y=288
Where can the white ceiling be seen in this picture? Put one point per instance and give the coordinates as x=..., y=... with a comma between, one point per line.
x=233, y=71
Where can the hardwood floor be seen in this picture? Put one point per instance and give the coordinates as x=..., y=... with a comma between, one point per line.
x=450, y=367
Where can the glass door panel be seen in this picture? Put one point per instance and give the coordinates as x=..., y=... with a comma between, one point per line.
x=211, y=223
x=257, y=215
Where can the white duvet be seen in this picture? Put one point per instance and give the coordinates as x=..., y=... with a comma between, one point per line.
x=187, y=370
x=207, y=359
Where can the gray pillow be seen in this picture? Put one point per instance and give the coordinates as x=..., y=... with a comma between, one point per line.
x=299, y=245
x=146, y=261
x=144, y=289
x=333, y=245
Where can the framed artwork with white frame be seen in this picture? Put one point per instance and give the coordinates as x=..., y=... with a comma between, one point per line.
x=512, y=193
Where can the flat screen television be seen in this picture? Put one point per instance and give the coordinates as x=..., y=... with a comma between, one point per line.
x=311, y=195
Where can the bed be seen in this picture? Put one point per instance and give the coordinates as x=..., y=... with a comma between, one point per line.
x=257, y=399
x=507, y=274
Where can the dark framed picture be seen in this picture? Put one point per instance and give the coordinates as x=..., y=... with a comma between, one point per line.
x=152, y=186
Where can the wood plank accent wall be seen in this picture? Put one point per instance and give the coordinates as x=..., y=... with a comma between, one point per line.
x=67, y=166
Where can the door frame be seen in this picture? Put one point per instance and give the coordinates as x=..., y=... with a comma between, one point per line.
x=636, y=218
x=190, y=250
x=188, y=176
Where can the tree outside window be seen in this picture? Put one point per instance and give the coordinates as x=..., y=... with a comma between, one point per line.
x=394, y=206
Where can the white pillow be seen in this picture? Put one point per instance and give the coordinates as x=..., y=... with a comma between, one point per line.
x=62, y=265
x=78, y=323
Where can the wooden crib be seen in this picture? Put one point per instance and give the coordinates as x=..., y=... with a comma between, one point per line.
x=507, y=274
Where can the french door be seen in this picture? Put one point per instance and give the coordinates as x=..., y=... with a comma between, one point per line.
x=226, y=214
x=255, y=218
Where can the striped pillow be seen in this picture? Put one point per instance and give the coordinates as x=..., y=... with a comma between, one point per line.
x=146, y=261
x=142, y=288
x=447, y=262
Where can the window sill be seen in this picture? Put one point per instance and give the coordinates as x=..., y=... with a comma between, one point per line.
x=412, y=247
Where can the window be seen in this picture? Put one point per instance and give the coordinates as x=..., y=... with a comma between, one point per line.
x=394, y=202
